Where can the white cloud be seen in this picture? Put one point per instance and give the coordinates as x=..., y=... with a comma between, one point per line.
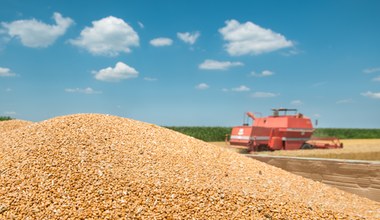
x=262, y=74
x=291, y=52
x=264, y=95
x=33, y=33
x=3, y=39
x=202, y=86
x=119, y=72
x=189, y=38
x=150, y=79
x=376, y=79
x=241, y=88
x=373, y=95
x=249, y=38
x=6, y=72
x=10, y=113
x=108, y=36
x=371, y=70
x=218, y=65
x=141, y=24
x=161, y=41
x=88, y=91
x=296, y=102
x=344, y=101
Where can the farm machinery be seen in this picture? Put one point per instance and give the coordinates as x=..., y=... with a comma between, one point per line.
x=280, y=131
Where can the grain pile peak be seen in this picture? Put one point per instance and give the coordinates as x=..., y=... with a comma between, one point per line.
x=10, y=125
x=93, y=166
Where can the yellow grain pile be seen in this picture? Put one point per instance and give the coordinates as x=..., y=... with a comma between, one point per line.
x=9, y=125
x=91, y=166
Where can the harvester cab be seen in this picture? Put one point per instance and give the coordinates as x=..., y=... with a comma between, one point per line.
x=277, y=111
x=285, y=129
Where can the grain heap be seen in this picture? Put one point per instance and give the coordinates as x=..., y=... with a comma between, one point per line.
x=10, y=125
x=91, y=166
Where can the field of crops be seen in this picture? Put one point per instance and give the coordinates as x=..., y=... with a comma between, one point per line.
x=5, y=118
x=215, y=134
x=348, y=133
x=359, y=144
x=354, y=149
x=204, y=133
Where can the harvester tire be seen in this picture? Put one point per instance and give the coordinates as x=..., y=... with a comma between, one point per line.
x=306, y=146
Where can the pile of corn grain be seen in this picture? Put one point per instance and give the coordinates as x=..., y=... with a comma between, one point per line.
x=10, y=125
x=91, y=166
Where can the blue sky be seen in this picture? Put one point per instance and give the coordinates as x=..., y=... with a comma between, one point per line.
x=191, y=63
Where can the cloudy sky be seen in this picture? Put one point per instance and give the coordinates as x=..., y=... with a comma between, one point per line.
x=191, y=63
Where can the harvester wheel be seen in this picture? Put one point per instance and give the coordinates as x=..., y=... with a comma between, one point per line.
x=263, y=147
x=306, y=146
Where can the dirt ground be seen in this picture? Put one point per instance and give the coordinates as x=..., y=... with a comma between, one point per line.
x=354, y=149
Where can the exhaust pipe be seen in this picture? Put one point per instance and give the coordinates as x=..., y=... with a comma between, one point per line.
x=251, y=115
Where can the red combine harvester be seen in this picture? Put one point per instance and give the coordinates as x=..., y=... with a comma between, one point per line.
x=281, y=131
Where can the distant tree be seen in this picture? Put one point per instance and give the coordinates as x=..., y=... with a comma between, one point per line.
x=4, y=118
